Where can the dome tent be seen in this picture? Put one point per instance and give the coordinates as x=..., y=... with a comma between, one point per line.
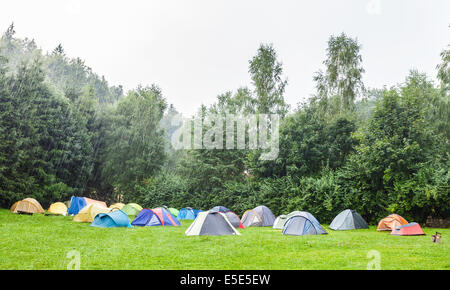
x=114, y=219
x=78, y=203
x=234, y=219
x=188, y=213
x=220, y=208
x=155, y=217
x=27, y=205
x=58, y=208
x=390, y=222
x=131, y=209
x=260, y=216
x=174, y=211
x=302, y=225
x=279, y=222
x=411, y=229
x=348, y=220
x=211, y=223
x=88, y=213
x=117, y=205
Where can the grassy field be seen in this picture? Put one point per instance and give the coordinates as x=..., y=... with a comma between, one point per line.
x=43, y=242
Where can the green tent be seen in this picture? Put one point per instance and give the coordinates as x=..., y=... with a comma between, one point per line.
x=173, y=211
x=132, y=209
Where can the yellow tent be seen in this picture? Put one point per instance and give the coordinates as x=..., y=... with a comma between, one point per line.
x=28, y=205
x=88, y=213
x=58, y=208
x=118, y=205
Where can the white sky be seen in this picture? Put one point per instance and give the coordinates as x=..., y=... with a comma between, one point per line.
x=195, y=50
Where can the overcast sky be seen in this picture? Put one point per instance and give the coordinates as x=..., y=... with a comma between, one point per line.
x=195, y=50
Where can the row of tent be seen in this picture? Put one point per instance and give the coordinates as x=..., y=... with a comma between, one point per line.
x=217, y=221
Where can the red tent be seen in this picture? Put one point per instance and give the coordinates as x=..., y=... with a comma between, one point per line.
x=411, y=229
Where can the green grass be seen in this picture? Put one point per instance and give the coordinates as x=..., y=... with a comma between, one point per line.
x=43, y=242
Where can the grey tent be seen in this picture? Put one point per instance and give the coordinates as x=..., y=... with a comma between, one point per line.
x=211, y=223
x=220, y=208
x=348, y=220
x=279, y=222
x=260, y=216
x=301, y=225
x=234, y=219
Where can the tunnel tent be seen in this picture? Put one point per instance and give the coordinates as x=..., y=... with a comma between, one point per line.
x=220, y=208
x=260, y=216
x=58, y=208
x=411, y=229
x=300, y=225
x=390, y=222
x=211, y=223
x=114, y=219
x=348, y=220
x=88, y=213
x=28, y=205
x=155, y=217
x=279, y=222
x=132, y=209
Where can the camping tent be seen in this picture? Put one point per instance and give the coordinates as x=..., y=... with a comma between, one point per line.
x=173, y=211
x=114, y=219
x=88, y=213
x=187, y=214
x=132, y=209
x=155, y=217
x=411, y=229
x=58, y=208
x=27, y=205
x=90, y=201
x=301, y=225
x=78, y=203
x=234, y=219
x=348, y=220
x=260, y=216
x=118, y=205
x=279, y=222
x=220, y=208
x=211, y=223
x=391, y=222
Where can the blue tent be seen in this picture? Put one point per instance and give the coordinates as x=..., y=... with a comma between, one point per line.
x=113, y=219
x=76, y=204
x=155, y=217
x=220, y=208
x=188, y=213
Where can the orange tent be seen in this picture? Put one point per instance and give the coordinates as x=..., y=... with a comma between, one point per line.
x=390, y=222
x=27, y=205
x=89, y=201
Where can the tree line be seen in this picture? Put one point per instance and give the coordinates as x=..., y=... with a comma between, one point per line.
x=65, y=131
